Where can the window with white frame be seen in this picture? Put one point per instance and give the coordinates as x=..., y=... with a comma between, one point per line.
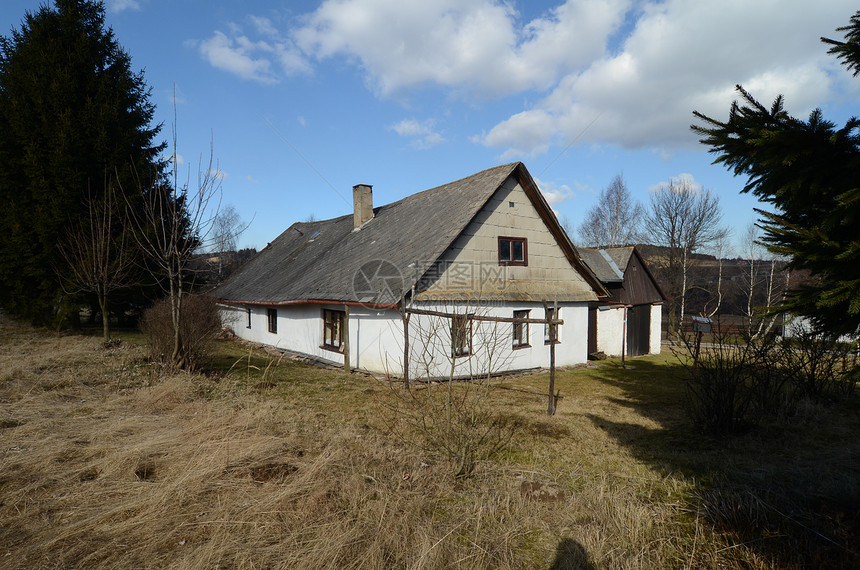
x=521, y=330
x=550, y=330
x=333, y=323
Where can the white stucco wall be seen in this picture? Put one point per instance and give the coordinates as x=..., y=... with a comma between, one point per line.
x=610, y=330
x=492, y=342
x=376, y=337
x=656, y=342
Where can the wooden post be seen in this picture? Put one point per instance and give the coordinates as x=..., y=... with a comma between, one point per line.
x=550, y=322
x=404, y=316
x=624, y=339
x=346, y=364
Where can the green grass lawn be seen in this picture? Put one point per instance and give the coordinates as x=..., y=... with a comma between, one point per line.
x=106, y=460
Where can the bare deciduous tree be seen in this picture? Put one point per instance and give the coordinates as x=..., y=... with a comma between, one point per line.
x=227, y=227
x=172, y=223
x=683, y=219
x=615, y=219
x=760, y=271
x=95, y=254
x=713, y=304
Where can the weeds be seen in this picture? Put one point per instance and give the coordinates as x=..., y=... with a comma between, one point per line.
x=199, y=322
x=188, y=471
x=734, y=383
x=451, y=420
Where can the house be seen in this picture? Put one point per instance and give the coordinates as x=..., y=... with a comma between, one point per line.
x=629, y=321
x=435, y=279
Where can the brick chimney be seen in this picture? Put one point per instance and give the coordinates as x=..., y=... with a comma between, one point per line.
x=362, y=200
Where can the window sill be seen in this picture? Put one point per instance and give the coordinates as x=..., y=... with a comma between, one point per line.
x=521, y=346
x=547, y=343
x=337, y=349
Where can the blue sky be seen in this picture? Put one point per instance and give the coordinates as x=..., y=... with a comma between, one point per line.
x=302, y=100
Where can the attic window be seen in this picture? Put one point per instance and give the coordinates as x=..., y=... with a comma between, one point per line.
x=513, y=251
x=510, y=204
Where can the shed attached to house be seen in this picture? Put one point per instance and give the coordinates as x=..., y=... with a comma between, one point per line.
x=433, y=281
x=629, y=320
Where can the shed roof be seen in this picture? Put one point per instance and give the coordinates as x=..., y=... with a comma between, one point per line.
x=608, y=264
x=611, y=266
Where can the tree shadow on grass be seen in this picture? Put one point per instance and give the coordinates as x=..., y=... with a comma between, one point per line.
x=787, y=489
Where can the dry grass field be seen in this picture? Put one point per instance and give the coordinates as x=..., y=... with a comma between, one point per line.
x=108, y=461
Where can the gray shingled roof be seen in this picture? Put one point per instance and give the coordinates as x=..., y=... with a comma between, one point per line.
x=620, y=255
x=319, y=260
x=607, y=270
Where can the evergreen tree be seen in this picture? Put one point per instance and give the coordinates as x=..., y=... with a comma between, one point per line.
x=74, y=118
x=809, y=171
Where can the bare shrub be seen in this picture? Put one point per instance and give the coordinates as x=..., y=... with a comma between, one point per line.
x=719, y=394
x=771, y=389
x=446, y=410
x=736, y=382
x=818, y=364
x=452, y=421
x=199, y=323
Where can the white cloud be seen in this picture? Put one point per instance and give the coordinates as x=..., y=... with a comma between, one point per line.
x=622, y=72
x=218, y=174
x=180, y=160
x=683, y=179
x=475, y=45
x=422, y=133
x=554, y=193
x=117, y=6
x=264, y=61
x=683, y=56
x=529, y=132
x=301, y=121
x=234, y=55
x=263, y=26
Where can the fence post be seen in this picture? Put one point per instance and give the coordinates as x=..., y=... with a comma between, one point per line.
x=346, y=364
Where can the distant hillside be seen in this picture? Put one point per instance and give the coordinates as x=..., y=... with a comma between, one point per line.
x=704, y=276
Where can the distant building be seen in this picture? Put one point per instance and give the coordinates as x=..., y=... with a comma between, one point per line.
x=629, y=320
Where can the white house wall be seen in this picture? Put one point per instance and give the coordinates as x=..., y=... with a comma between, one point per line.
x=492, y=342
x=373, y=334
x=611, y=333
x=610, y=330
x=376, y=337
x=656, y=341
